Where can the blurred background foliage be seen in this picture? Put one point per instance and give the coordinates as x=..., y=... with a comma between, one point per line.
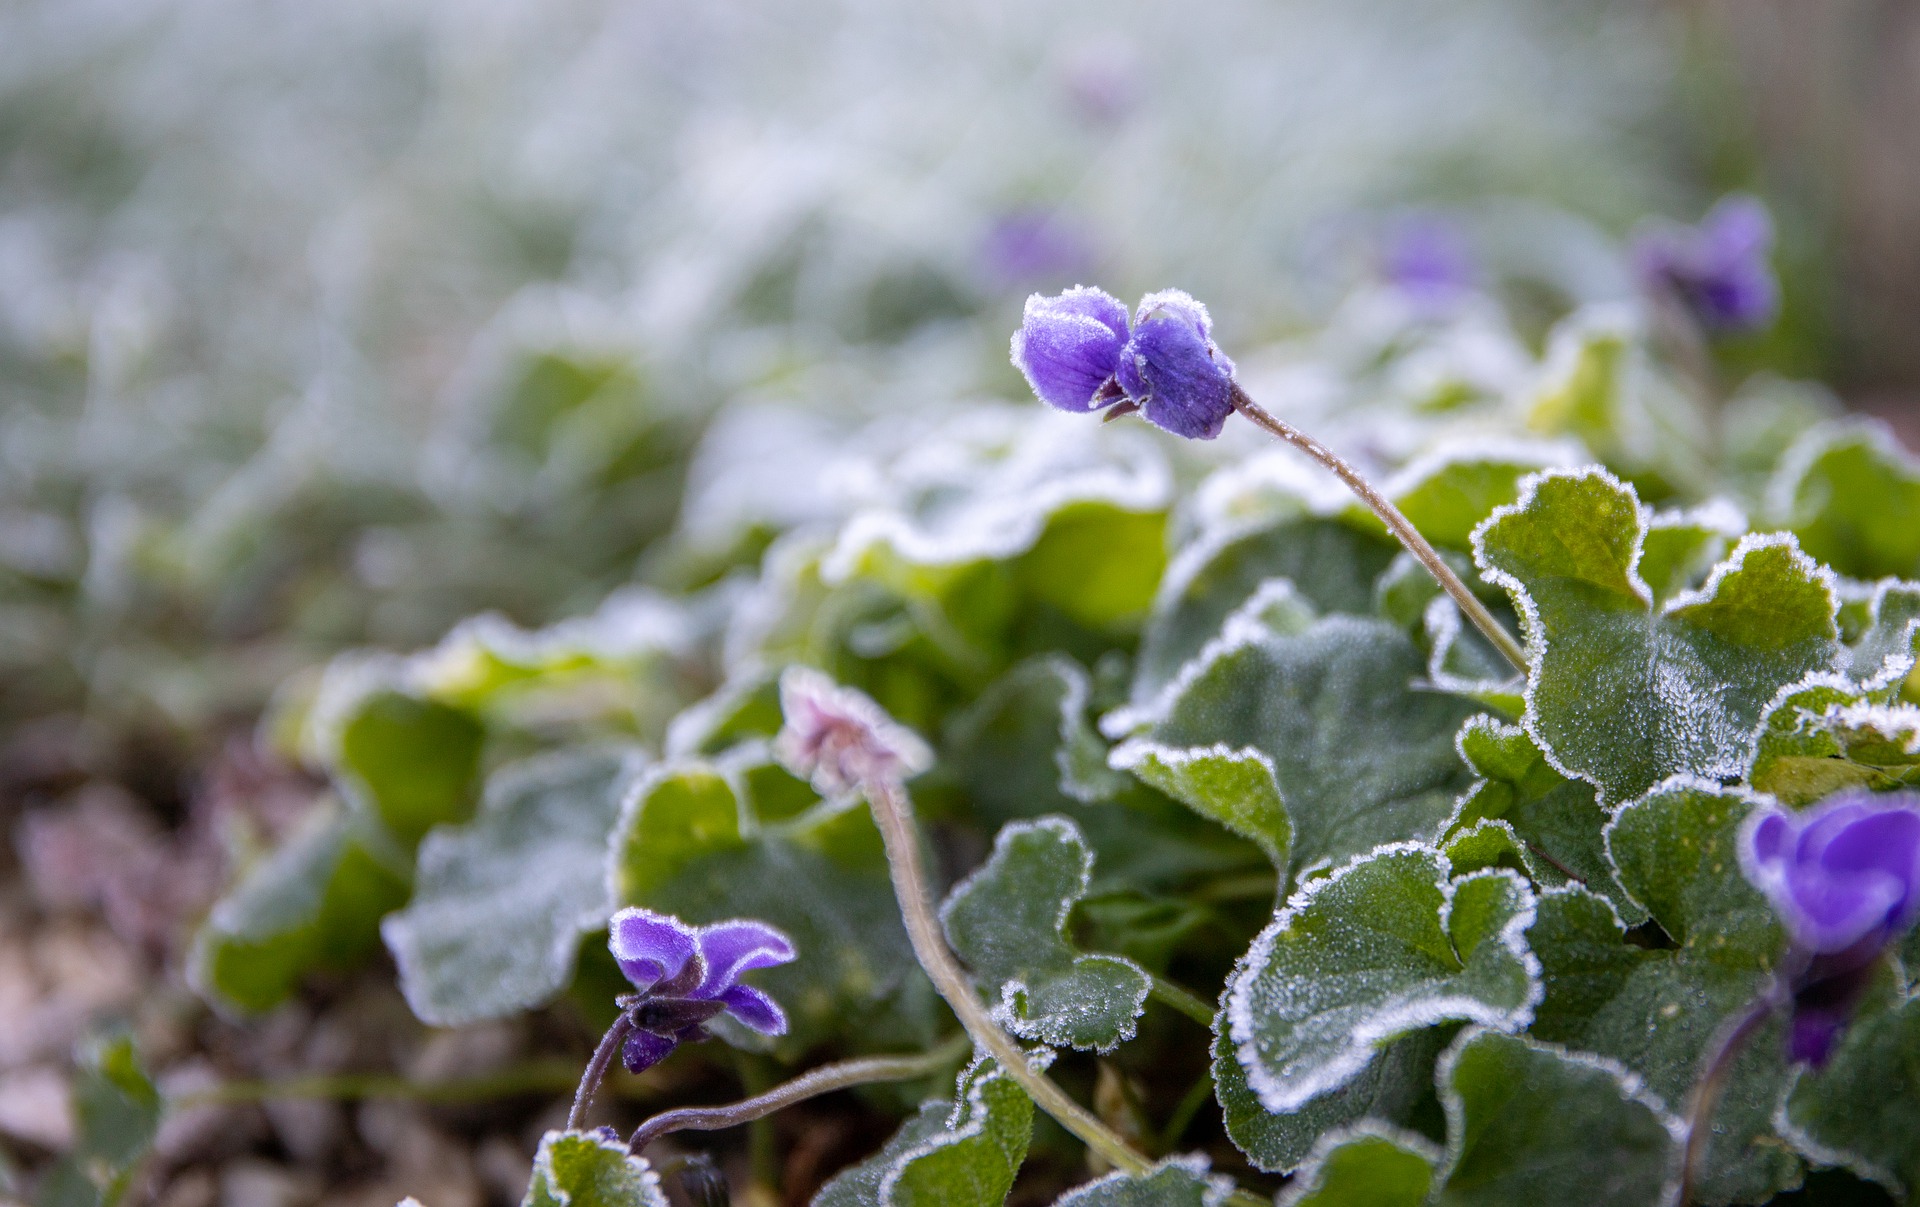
x=329, y=325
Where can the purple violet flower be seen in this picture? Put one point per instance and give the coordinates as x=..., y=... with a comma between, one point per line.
x=1718, y=269
x=686, y=976
x=1428, y=260
x=1844, y=877
x=1078, y=355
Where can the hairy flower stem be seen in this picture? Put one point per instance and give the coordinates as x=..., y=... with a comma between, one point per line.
x=823, y=1080
x=1731, y=1041
x=597, y=1069
x=1398, y=524
x=894, y=815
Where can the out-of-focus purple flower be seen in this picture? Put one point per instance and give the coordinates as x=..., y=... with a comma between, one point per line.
x=838, y=738
x=1845, y=879
x=1718, y=269
x=1427, y=260
x=1033, y=246
x=1078, y=355
x=686, y=976
x=1172, y=370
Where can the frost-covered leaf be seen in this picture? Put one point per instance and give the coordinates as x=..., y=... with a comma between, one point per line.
x=1330, y=565
x=1655, y=1011
x=1008, y=920
x=707, y=841
x=1888, y=647
x=1462, y=661
x=1359, y=756
x=960, y=1155
x=589, y=1169
x=1862, y=1111
x=1556, y=822
x=1532, y=1123
x=1681, y=547
x=1826, y=734
x=1383, y=947
x=316, y=902
x=1624, y=693
x=1235, y=788
x=500, y=904
x=1852, y=496
x=1447, y=492
x=1025, y=748
x=1174, y=1182
x=116, y=1117
x=1395, y=1086
x=1367, y=1165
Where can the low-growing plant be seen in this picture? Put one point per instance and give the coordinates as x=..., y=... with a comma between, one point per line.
x=1524, y=822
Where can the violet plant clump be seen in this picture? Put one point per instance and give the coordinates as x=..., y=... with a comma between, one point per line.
x=1844, y=877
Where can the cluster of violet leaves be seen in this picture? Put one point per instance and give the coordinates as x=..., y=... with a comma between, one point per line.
x=1840, y=873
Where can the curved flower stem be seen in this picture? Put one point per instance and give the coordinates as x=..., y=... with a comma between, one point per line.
x=1713, y=1081
x=1398, y=524
x=1182, y=1000
x=894, y=815
x=597, y=1068
x=823, y=1080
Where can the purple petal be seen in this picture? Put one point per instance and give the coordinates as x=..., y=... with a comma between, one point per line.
x=1719, y=269
x=755, y=1009
x=644, y=1050
x=650, y=948
x=1812, y=1034
x=731, y=948
x=1843, y=873
x=1173, y=371
x=1069, y=345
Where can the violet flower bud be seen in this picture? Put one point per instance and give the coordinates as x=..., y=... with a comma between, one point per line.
x=686, y=976
x=1718, y=269
x=839, y=738
x=1078, y=355
x=1844, y=877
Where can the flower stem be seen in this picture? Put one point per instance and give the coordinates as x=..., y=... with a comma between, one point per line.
x=597, y=1069
x=1397, y=524
x=894, y=815
x=823, y=1080
x=1726, y=1050
x=1183, y=1000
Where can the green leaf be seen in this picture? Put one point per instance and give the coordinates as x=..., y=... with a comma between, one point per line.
x=1359, y=757
x=1368, y=1165
x=1827, y=734
x=1331, y=566
x=1556, y=822
x=1008, y=922
x=1396, y=1086
x=1235, y=788
x=1531, y=1123
x=1174, y=1182
x=501, y=903
x=1385, y=946
x=411, y=762
x=1852, y=496
x=692, y=841
x=1655, y=1011
x=116, y=1116
x=1887, y=650
x=1624, y=694
x=1446, y=493
x=963, y=1156
x=1681, y=547
x=1862, y=1111
x=585, y=1169
x=314, y=903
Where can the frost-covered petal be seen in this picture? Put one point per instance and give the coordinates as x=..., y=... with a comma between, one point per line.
x=1172, y=369
x=650, y=948
x=839, y=738
x=731, y=948
x=1069, y=345
x=755, y=1009
x=644, y=1050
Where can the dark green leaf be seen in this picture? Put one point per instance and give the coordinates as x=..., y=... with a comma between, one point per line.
x=1862, y=1111
x=1852, y=496
x=413, y=763
x=1007, y=921
x=585, y=1169
x=1174, y=1182
x=1623, y=693
x=1383, y=947
x=958, y=1156
x=1367, y=1165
